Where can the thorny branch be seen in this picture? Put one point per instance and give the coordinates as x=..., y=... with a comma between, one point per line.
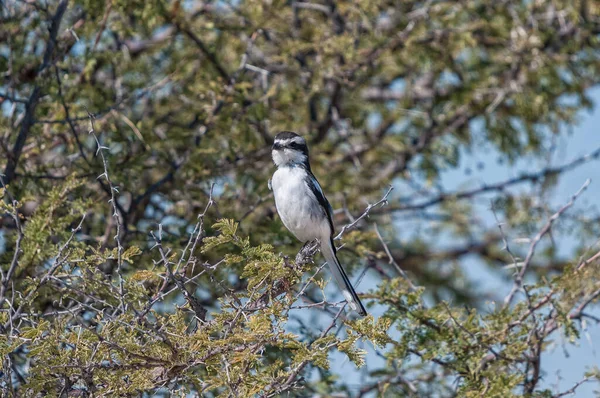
x=536, y=240
x=173, y=273
x=58, y=261
x=380, y=203
x=7, y=278
x=113, y=202
x=291, y=381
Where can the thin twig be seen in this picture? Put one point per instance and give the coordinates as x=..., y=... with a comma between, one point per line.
x=6, y=279
x=59, y=260
x=392, y=261
x=115, y=214
x=547, y=227
x=571, y=391
x=382, y=202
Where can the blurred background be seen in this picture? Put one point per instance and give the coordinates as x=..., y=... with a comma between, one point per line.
x=563, y=363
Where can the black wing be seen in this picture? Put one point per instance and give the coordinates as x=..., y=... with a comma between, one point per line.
x=315, y=188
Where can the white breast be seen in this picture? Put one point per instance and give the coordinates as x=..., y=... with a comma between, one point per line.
x=297, y=206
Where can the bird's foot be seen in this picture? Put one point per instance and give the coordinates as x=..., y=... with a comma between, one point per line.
x=307, y=252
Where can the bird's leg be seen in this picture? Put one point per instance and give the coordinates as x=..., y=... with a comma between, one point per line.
x=313, y=246
x=307, y=252
x=308, y=242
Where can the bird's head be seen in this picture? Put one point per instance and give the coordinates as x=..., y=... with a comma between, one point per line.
x=289, y=149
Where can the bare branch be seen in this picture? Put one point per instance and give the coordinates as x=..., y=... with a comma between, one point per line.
x=500, y=186
x=519, y=277
x=382, y=202
x=113, y=203
x=392, y=261
x=571, y=391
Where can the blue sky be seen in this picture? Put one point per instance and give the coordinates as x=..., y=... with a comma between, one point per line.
x=563, y=364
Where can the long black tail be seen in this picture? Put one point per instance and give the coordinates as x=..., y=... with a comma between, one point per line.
x=329, y=252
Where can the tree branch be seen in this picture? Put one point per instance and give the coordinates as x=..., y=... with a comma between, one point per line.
x=30, y=106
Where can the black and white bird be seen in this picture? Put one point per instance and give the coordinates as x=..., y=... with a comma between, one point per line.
x=303, y=207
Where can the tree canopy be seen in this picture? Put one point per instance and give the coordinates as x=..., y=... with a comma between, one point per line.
x=140, y=249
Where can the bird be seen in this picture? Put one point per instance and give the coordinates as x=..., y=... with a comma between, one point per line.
x=303, y=207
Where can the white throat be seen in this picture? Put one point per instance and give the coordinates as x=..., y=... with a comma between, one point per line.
x=285, y=157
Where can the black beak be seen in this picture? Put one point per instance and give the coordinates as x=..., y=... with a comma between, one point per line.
x=277, y=146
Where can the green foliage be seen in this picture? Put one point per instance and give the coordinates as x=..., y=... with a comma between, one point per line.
x=139, y=247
